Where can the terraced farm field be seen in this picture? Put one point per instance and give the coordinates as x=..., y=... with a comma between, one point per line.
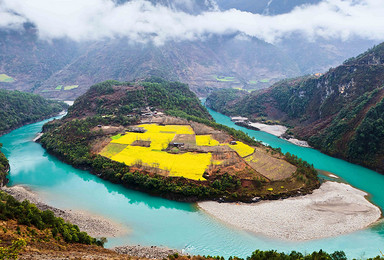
x=174, y=149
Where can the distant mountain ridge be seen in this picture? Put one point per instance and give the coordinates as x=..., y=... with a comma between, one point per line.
x=64, y=69
x=340, y=113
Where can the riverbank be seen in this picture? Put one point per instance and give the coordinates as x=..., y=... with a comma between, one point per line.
x=333, y=209
x=28, y=122
x=95, y=226
x=279, y=131
x=149, y=252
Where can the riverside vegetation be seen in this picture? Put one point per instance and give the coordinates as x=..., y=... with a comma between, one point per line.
x=339, y=113
x=20, y=108
x=107, y=112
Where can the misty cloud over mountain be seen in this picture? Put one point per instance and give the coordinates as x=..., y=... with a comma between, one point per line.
x=158, y=22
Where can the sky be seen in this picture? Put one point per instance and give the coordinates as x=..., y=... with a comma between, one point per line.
x=142, y=21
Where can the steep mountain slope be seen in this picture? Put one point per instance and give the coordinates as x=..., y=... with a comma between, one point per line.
x=340, y=113
x=18, y=108
x=30, y=61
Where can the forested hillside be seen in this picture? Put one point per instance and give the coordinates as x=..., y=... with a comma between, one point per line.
x=18, y=108
x=340, y=113
x=118, y=99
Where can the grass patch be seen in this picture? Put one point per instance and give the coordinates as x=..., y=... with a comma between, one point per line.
x=112, y=149
x=71, y=87
x=115, y=137
x=6, y=78
x=59, y=87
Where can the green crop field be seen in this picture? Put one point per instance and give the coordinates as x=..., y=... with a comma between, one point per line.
x=225, y=79
x=71, y=87
x=6, y=78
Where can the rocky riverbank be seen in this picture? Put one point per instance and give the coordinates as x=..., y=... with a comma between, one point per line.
x=149, y=252
x=333, y=209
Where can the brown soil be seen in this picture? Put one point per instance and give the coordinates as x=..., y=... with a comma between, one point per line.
x=185, y=138
x=201, y=129
x=141, y=143
x=222, y=137
x=108, y=129
x=98, y=145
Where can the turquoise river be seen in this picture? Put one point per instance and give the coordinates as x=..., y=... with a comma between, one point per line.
x=156, y=221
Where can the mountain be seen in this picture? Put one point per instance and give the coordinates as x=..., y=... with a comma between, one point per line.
x=18, y=108
x=340, y=112
x=205, y=65
x=64, y=69
x=28, y=61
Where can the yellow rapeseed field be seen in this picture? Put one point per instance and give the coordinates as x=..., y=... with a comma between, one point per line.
x=160, y=136
x=175, y=129
x=188, y=165
x=159, y=141
x=206, y=140
x=242, y=149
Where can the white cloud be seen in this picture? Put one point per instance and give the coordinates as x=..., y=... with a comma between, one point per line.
x=141, y=21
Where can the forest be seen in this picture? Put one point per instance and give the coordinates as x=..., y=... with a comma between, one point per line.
x=19, y=108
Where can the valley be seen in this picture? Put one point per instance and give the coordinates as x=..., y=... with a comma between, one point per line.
x=338, y=113
x=191, y=129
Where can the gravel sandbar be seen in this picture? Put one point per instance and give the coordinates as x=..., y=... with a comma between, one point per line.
x=333, y=209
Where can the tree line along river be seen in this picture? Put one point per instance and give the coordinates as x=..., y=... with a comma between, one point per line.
x=156, y=221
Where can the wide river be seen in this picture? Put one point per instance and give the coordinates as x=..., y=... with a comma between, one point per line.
x=160, y=222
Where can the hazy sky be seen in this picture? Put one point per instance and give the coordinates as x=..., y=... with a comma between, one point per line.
x=142, y=21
